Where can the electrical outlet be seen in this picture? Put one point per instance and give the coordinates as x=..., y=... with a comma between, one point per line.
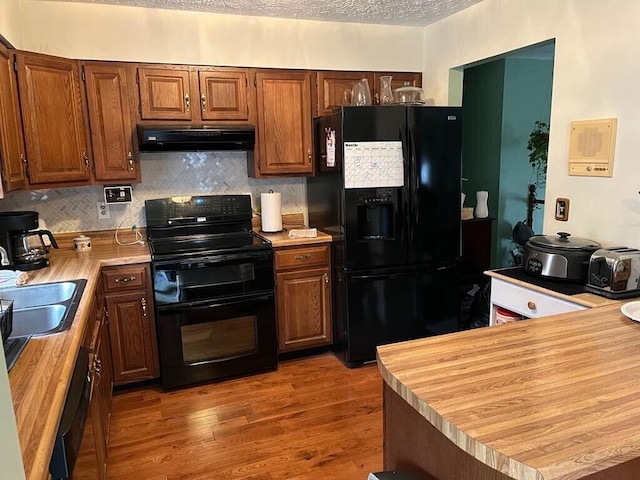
x=103, y=210
x=562, y=209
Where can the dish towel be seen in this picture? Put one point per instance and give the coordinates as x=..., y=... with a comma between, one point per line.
x=11, y=278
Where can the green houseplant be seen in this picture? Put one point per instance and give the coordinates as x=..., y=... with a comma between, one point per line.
x=538, y=146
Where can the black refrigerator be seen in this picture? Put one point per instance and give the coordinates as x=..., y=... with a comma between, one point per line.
x=387, y=187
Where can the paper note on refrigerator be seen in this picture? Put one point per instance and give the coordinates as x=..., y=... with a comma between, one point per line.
x=373, y=164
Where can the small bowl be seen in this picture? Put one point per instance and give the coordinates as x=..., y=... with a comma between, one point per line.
x=631, y=310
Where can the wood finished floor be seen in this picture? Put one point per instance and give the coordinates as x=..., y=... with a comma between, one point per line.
x=312, y=419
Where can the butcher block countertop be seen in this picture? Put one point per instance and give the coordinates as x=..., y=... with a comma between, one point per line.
x=289, y=222
x=546, y=399
x=40, y=378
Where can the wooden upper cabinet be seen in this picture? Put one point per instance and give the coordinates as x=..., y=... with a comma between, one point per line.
x=224, y=94
x=195, y=94
x=52, y=109
x=332, y=87
x=12, y=150
x=284, y=122
x=111, y=103
x=165, y=93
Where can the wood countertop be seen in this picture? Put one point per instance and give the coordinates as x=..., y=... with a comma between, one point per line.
x=546, y=399
x=589, y=300
x=40, y=378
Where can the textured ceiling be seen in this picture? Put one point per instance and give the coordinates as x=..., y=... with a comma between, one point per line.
x=387, y=12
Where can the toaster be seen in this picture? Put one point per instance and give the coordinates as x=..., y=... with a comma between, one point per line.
x=614, y=272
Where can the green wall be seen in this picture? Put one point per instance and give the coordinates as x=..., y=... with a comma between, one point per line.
x=482, y=94
x=527, y=98
x=501, y=100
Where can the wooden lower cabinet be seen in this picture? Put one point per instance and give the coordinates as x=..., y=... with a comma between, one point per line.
x=303, y=297
x=91, y=463
x=132, y=329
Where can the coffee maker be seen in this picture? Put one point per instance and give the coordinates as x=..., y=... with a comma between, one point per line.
x=22, y=246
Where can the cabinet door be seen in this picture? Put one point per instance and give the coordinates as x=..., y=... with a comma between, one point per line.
x=224, y=94
x=11, y=139
x=284, y=122
x=332, y=87
x=133, y=339
x=165, y=93
x=53, y=117
x=111, y=117
x=304, y=308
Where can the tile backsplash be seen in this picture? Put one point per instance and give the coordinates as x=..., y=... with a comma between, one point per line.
x=163, y=175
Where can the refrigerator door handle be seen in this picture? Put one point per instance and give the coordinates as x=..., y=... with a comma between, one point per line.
x=406, y=206
x=413, y=179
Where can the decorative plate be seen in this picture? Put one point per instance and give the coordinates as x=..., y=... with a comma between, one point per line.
x=631, y=310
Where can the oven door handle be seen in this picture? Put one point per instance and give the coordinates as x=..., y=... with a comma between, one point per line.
x=201, y=262
x=215, y=303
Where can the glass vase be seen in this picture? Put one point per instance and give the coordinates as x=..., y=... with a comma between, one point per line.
x=386, y=94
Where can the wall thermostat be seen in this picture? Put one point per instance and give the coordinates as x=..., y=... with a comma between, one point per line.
x=118, y=194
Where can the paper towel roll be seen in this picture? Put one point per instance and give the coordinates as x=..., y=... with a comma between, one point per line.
x=271, y=205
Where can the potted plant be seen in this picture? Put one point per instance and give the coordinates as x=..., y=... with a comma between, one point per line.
x=538, y=146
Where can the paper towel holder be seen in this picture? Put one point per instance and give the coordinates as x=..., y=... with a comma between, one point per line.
x=271, y=213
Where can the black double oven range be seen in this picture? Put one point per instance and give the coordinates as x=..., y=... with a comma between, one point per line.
x=214, y=289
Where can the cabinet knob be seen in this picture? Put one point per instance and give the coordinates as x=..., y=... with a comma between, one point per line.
x=130, y=158
x=203, y=99
x=309, y=155
x=531, y=305
x=86, y=159
x=143, y=302
x=187, y=102
x=326, y=278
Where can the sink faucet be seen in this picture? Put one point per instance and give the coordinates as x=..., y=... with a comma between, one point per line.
x=4, y=258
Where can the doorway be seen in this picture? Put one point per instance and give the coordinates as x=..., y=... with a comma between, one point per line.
x=502, y=99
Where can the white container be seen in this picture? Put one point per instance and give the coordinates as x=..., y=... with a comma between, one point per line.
x=506, y=316
x=482, y=208
x=82, y=243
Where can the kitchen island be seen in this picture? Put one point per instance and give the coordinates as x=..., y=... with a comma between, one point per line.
x=546, y=399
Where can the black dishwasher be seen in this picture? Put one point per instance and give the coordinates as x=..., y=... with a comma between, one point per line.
x=74, y=417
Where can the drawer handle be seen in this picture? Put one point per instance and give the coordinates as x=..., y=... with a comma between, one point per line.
x=125, y=279
x=531, y=305
x=304, y=257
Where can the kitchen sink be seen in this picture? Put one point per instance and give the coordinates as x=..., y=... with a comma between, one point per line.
x=45, y=308
x=38, y=295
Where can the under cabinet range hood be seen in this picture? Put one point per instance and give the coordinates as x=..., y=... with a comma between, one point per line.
x=186, y=138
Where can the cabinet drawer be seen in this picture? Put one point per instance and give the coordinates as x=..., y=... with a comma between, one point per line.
x=529, y=303
x=301, y=257
x=125, y=278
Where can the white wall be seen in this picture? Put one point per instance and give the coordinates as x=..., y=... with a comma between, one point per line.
x=10, y=22
x=596, y=75
x=109, y=32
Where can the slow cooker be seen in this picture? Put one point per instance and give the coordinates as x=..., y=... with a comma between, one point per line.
x=558, y=257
